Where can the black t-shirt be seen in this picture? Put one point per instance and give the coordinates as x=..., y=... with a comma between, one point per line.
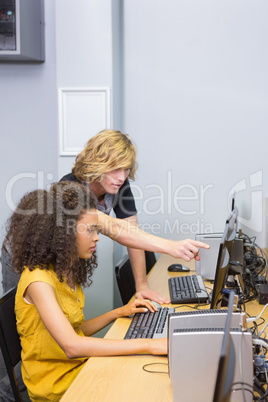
x=122, y=203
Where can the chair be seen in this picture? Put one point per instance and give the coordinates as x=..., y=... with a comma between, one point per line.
x=150, y=260
x=124, y=275
x=9, y=339
x=9, y=278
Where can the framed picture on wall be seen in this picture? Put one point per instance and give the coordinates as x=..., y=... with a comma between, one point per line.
x=83, y=112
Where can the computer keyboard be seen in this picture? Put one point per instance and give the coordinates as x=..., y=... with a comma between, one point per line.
x=187, y=289
x=149, y=325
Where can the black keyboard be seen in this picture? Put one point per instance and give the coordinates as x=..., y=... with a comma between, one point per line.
x=187, y=289
x=149, y=325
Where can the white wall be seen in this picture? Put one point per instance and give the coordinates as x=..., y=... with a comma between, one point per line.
x=195, y=102
x=28, y=131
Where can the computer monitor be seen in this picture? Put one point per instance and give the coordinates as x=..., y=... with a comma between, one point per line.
x=237, y=268
x=223, y=261
x=236, y=249
x=226, y=366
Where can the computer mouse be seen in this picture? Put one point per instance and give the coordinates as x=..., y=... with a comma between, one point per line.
x=178, y=268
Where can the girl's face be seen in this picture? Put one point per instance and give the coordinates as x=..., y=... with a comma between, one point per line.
x=87, y=234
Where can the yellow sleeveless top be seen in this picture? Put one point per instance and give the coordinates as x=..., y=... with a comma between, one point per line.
x=46, y=370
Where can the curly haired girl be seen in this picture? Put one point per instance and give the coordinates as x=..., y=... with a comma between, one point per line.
x=53, y=236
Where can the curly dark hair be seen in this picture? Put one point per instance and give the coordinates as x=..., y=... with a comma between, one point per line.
x=42, y=231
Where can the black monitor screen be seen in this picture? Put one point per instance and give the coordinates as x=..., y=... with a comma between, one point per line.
x=223, y=262
x=226, y=366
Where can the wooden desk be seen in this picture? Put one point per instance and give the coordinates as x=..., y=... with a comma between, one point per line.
x=122, y=378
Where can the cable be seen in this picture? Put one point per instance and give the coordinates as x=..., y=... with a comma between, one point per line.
x=241, y=368
x=243, y=389
x=260, y=342
x=254, y=266
x=263, y=328
x=152, y=364
x=251, y=319
x=258, y=388
x=254, y=328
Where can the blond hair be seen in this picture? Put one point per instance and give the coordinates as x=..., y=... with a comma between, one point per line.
x=106, y=151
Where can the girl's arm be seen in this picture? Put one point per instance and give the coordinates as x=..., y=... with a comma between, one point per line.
x=42, y=295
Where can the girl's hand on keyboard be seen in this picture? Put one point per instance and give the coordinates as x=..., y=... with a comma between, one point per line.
x=137, y=306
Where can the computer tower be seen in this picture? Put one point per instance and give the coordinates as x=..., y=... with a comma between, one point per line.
x=194, y=360
x=197, y=319
x=22, y=30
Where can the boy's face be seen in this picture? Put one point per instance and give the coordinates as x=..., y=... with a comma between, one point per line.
x=112, y=181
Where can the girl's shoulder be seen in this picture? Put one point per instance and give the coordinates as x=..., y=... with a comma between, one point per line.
x=38, y=275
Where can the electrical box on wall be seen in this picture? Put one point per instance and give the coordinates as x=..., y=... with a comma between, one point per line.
x=22, y=30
